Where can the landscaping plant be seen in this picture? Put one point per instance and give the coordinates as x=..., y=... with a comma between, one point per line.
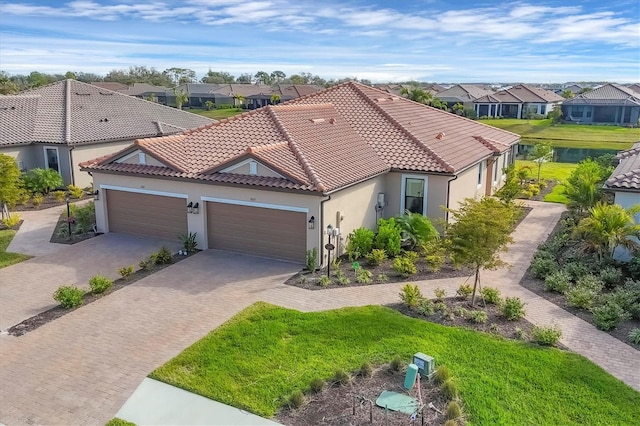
x=434, y=254
x=363, y=276
x=609, y=316
x=546, y=336
x=442, y=374
x=404, y=266
x=464, y=291
x=389, y=237
x=317, y=384
x=359, y=243
x=10, y=186
x=12, y=220
x=341, y=377
x=75, y=192
x=324, y=281
x=68, y=296
x=42, y=180
x=189, y=242
x=411, y=295
x=126, y=271
x=449, y=389
x=99, y=284
x=440, y=293
x=163, y=256
x=416, y=230
x=296, y=399
x=365, y=370
x=513, y=308
x=382, y=278
x=312, y=259
x=453, y=410
x=37, y=199
x=376, y=257
x=634, y=336
x=396, y=363
x=491, y=295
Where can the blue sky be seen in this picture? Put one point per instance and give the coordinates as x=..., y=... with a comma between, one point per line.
x=427, y=40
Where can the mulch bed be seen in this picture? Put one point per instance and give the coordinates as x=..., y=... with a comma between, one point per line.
x=42, y=318
x=75, y=238
x=334, y=405
x=4, y=227
x=48, y=202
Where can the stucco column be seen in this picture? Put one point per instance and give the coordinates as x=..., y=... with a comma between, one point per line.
x=519, y=111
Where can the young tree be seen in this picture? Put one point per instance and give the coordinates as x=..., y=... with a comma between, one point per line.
x=9, y=181
x=542, y=153
x=244, y=78
x=609, y=226
x=209, y=105
x=567, y=94
x=458, y=108
x=416, y=94
x=479, y=232
x=512, y=186
x=555, y=115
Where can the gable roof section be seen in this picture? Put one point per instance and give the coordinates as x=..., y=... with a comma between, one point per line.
x=463, y=93
x=328, y=140
x=626, y=176
x=609, y=94
x=521, y=93
x=72, y=112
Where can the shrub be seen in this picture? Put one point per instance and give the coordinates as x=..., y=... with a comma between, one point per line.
x=296, y=399
x=376, y=257
x=411, y=255
x=37, y=199
x=335, y=265
x=388, y=237
x=75, y=192
x=416, y=229
x=68, y=296
x=557, y=281
x=146, y=263
x=442, y=374
x=547, y=336
x=494, y=328
x=42, y=180
x=12, y=220
x=363, y=276
x=85, y=218
x=344, y=280
x=611, y=276
x=411, y=295
x=341, y=377
x=163, y=256
x=404, y=266
x=634, y=336
x=576, y=270
x=365, y=370
x=491, y=295
x=126, y=271
x=479, y=317
x=317, y=384
x=534, y=189
x=513, y=308
x=434, y=254
x=396, y=363
x=634, y=267
x=59, y=196
x=440, y=306
x=324, y=281
x=609, y=316
x=451, y=422
x=99, y=284
x=425, y=307
x=440, y=293
x=359, y=243
x=302, y=279
x=519, y=333
x=381, y=278
x=189, y=242
x=461, y=312
x=591, y=282
x=464, y=291
x=23, y=197
x=580, y=297
x=453, y=410
x=311, y=261
x=449, y=389
x=541, y=267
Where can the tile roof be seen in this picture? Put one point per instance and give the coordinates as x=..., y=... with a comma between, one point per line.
x=110, y=85
x=626, y=176
x=327, y=140
x=72, y=112
x=521, y=93
x=463, y=93
x=142, y=88
x=609, y=94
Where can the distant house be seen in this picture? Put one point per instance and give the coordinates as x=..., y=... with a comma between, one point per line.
x=574, y=88
x=198, y=93
x=397, y=89
x=463, y=94
x=110, y=85
x=147, y=91
x=635, y=88
x=608, y=104
x=65, y=123
x=624, y=182
x=517, y=102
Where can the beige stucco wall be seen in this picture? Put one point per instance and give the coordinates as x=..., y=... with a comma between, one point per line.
x=24, y=154
x=89, y=152
x=194, y=193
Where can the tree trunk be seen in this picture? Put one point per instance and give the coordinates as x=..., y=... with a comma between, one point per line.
x=475, y=286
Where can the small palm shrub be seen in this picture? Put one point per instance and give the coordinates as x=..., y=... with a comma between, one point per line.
x=611, y=276
x=541, y=267
x=59, y=196
x=453, y=410
x=376, y=257
x=491, y=295
x=382, y=278
x=513, y=308
x=442, y=374
x=317, y=384
x=189, y=242
x=396, y=363
x=163, y=256
x=558, y=281
x=68, y=296
x=296, y=399
x=609, y=316
x=449, y=389
x=404, y=266
x=37, y=199
x=440, y=293
x=546, y=336
x=359, y=243
x=479, y=317
x=311, y=259
x=363, y=276
x=366, y=369
x=12, y=220
x=634, y=336
x=324, y=281
x=75, y=192
x=411, y=295
x=464, y=291
x=126, y=271
x=99, y=284
x=341, y=377
x=343, y=280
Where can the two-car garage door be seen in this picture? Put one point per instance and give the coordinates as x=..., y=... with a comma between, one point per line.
x=268, y=232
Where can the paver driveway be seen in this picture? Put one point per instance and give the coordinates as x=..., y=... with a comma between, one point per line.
x=26, y=288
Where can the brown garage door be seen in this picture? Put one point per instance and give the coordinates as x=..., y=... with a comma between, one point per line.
x=148, y=215
x=278, y=234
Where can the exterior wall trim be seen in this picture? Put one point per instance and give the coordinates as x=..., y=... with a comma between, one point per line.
x=255, y=204
x=144, y=191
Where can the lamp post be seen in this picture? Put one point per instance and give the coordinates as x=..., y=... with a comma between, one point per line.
x=329, y=247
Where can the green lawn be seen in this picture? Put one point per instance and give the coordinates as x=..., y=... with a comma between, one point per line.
x=7, y=259
x=218, y=114
x=262, y=354
x=569, y=135
x=551, y=171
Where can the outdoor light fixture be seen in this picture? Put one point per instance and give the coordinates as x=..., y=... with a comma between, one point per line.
x=312, y=222
x=196, y=208
x=329, y=247
x=96, y=195
x=190, y=207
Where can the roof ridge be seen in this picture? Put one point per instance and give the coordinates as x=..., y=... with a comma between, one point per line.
x=487, y=142
x=402, y=128
x=297, y=152
x=67, y=112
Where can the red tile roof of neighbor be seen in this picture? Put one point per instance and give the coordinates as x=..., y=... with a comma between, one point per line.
x=626, y=176
x=323, y=141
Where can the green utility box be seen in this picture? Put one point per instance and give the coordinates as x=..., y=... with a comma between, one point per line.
x=425, y=363
x=410, y=378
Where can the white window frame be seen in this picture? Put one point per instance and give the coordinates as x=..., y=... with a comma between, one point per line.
x=142, y=158
x=480, y=171
x=403, y=188
x=253, y=167
x=46, y=158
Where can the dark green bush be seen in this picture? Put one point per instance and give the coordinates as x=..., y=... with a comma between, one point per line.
x=634, y=267
x=558, y=281
x=576, y=270
x=611, y=276
x=609, y=316
x=513, y=308
x=85, y=218
x=41, y=180
x=359, y=243
x=388, y=237
x=68, y=296
x=491, y=295
x=634, y=336
x=99, y=284
x=163, y=256
x=547, y=336
x=580, y=297
x=312, y=259
x=541, y=267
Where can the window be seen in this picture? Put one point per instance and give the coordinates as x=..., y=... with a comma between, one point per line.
x=51, y=158
x=253, y=168
x=543, y=109
x=480, y=174
x=414, y=193
x=578, y=111
x=142, y=159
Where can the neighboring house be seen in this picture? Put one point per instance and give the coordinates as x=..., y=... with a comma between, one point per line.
x=198, y=93
x=574, y=88
x=397, y=89
x=249, y=96
x=110, y=85
x=65, y=123
x=624, y=182
x=269, y=181
x=635, y=88
x=517, y=102
x=147, y=91
x=463, y=94
x=608, y=104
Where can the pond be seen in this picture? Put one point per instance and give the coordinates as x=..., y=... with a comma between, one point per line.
x=567, y=155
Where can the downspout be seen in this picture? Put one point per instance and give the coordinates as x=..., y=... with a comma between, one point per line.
x=446, y=215
x=322, y=227
x=67, y=127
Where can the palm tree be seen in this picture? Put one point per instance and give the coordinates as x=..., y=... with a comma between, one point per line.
x=417, y=94
x=275, y=98
x=181, y=98
x=609, y=226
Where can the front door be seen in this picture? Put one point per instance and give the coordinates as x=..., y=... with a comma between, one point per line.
x=51, y=159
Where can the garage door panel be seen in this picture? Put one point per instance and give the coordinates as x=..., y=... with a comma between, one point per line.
x=147, y=215
x=266, y=232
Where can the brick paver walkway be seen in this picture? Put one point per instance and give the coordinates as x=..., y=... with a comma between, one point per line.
x=81, y=368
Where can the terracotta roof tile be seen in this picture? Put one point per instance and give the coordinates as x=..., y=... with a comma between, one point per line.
x=626, y=175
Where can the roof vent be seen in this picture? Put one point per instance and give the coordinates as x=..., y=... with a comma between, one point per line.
x=440, y=136
x=104, y=120
x=332, y=121
x=106, y=93
x=317, y=120
x=83, y=94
